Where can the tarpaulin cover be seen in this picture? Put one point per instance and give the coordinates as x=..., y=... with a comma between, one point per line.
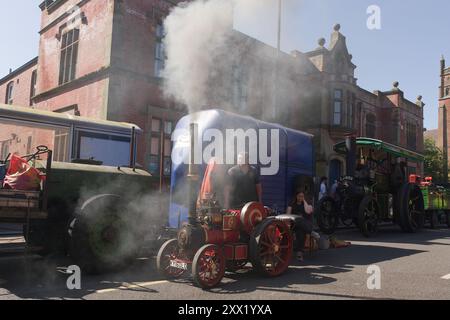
x=21, y=176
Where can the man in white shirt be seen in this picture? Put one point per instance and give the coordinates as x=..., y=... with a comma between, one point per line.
x=323, y=188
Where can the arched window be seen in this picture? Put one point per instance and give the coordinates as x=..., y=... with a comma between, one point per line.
x=447, y=91
x=371, y=128
x=9, y=93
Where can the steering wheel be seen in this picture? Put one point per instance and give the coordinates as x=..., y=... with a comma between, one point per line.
x=42, y=148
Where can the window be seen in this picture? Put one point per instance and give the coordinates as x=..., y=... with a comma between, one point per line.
x=371, y=129
x=33, y=86
x=69, y=56
x=337, y=107
x=61, y=145
x=411, y=136
x=447, y=92
x=160, y=52
x=9, y=93
x=161, y=138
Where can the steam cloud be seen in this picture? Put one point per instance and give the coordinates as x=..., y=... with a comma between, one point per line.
x=202, y=49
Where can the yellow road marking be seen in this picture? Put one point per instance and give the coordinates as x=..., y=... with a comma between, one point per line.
x=132, y=286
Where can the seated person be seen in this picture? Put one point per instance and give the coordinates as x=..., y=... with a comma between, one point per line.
x=303, y=226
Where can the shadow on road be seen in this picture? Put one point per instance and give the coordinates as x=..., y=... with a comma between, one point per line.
x=392, y=234
x=38, y=278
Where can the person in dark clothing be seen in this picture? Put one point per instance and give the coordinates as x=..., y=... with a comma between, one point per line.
x=244, y=184
x=304, y=225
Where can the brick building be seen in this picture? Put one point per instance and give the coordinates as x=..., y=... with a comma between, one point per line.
x=317, y=92
x=444, y=104
x=103, y=59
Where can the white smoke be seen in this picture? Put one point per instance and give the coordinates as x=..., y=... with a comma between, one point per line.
x=195, y=32
x=199, y=49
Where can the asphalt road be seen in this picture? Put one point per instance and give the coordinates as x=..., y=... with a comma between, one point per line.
x=412, y=267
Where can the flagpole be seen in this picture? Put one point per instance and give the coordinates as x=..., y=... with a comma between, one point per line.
x=274, y=111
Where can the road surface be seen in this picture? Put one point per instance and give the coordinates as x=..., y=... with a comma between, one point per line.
x=413, y=266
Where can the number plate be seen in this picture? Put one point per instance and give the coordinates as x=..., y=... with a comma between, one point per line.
x=178, y=265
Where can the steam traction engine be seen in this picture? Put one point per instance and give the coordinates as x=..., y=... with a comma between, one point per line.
x=215, y=240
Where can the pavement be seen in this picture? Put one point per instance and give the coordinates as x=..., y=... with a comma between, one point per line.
x=412, y=266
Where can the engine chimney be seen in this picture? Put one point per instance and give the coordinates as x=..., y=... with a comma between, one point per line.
x=350, y=145
x=193, y=176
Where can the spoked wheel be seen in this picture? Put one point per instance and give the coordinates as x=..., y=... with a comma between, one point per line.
x=368, y=216
x=327, y=215
x=271, y=248
x=208, y=267
x=234, y=266
x=412, y=214
x=434, y=220
x=169, y=252
x=102, y=238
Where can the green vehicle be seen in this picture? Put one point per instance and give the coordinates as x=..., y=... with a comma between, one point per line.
x=376, y=189
x=90, y=202
x=436, y=202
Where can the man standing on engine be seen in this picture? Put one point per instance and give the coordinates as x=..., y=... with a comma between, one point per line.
x=244, y=184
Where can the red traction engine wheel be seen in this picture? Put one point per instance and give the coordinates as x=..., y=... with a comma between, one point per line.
x=208, y=266
x=271, y=246
x=168, y=261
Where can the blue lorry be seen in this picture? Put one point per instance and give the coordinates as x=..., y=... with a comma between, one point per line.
x=296, y=168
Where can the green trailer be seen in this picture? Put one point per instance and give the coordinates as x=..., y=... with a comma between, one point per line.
x=436, y=203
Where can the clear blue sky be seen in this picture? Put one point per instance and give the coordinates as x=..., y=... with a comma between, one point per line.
x=407, y=49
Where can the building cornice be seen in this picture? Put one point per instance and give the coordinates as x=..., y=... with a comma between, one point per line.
x=19, y=70
x=93, y=76
x=61, y=17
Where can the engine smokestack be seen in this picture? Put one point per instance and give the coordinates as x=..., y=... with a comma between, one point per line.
x=350, y=145
x=192, y=176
